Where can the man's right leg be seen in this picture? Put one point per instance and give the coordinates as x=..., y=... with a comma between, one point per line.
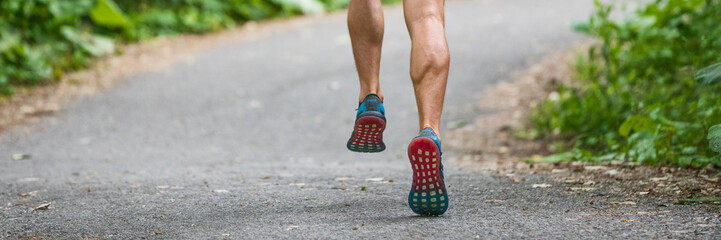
x=365, y=25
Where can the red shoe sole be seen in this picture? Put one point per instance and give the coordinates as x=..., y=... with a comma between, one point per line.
x=367, y=135
x=428, y=194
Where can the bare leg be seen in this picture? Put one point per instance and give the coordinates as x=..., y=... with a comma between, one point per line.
x=430, y=58
x=365, y=24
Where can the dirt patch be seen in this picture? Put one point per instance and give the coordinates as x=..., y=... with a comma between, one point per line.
x=29, y=103
x=489, y=144
x=489, y=140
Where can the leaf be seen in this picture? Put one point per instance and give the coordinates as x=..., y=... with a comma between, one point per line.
x=606, y=157
x=305, y=6
x=689, y=150
x=63, y=9
x=44, y=206
x=31, y=194
x=254, y=9
x=8, y=40
x=106, y=13
x=714, y=137
x=714, y=132
x=581, y=27
x=636, y=123
x=20, y=156
x=96, y=45
x=708, y=199
x=71, y=34
x=642, y=146
x=709, y=75
x=559, y=157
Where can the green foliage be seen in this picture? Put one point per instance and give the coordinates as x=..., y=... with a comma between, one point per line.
x=640, y=98
x=636, y=124
x=40, y=40
x=33, y=48
x=94, y=45
x=107, y=14
x=714, y=138
x=699, y=200
x=710, y=75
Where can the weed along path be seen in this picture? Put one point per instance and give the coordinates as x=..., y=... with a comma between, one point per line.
x=247, y=140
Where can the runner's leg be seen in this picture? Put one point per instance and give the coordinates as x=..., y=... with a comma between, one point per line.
x=365, y=25
x=430, y=58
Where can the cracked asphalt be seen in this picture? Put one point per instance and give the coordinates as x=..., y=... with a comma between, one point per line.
x=247, y=141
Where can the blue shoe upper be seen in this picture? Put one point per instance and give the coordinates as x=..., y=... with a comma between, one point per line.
x=429, y=133
x=372, y=102
x=371, y=109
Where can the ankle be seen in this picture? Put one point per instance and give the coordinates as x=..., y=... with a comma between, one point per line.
x=362, y=96
x=435, y=130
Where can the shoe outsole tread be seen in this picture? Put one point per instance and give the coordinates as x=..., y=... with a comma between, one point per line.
x=367, y=135
x=428, y=194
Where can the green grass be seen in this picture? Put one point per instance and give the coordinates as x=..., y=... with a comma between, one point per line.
x=699, y=200
x=40, y=40
x=638, y=96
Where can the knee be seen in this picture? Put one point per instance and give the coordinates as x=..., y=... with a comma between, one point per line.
x=372, y=9
x=423, y=14
x=376, y=5
x=365, y=19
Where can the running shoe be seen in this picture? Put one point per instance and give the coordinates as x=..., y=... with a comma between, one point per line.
x=428, y=194
x=370, y=122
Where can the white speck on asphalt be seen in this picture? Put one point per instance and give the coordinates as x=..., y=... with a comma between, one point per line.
x=29, y=194
x=44, y=206
x=255, y=104
x=334, y=86
x=20, y=156
x=30, y=179
x=84, y=141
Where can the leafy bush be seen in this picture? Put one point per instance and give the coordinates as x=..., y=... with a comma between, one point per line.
x=42, y=39
x=150, y=18
x=638, y=99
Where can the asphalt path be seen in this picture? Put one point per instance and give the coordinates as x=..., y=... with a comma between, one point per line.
x=247, y=141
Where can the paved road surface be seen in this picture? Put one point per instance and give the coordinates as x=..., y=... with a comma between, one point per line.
x=248, y=141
